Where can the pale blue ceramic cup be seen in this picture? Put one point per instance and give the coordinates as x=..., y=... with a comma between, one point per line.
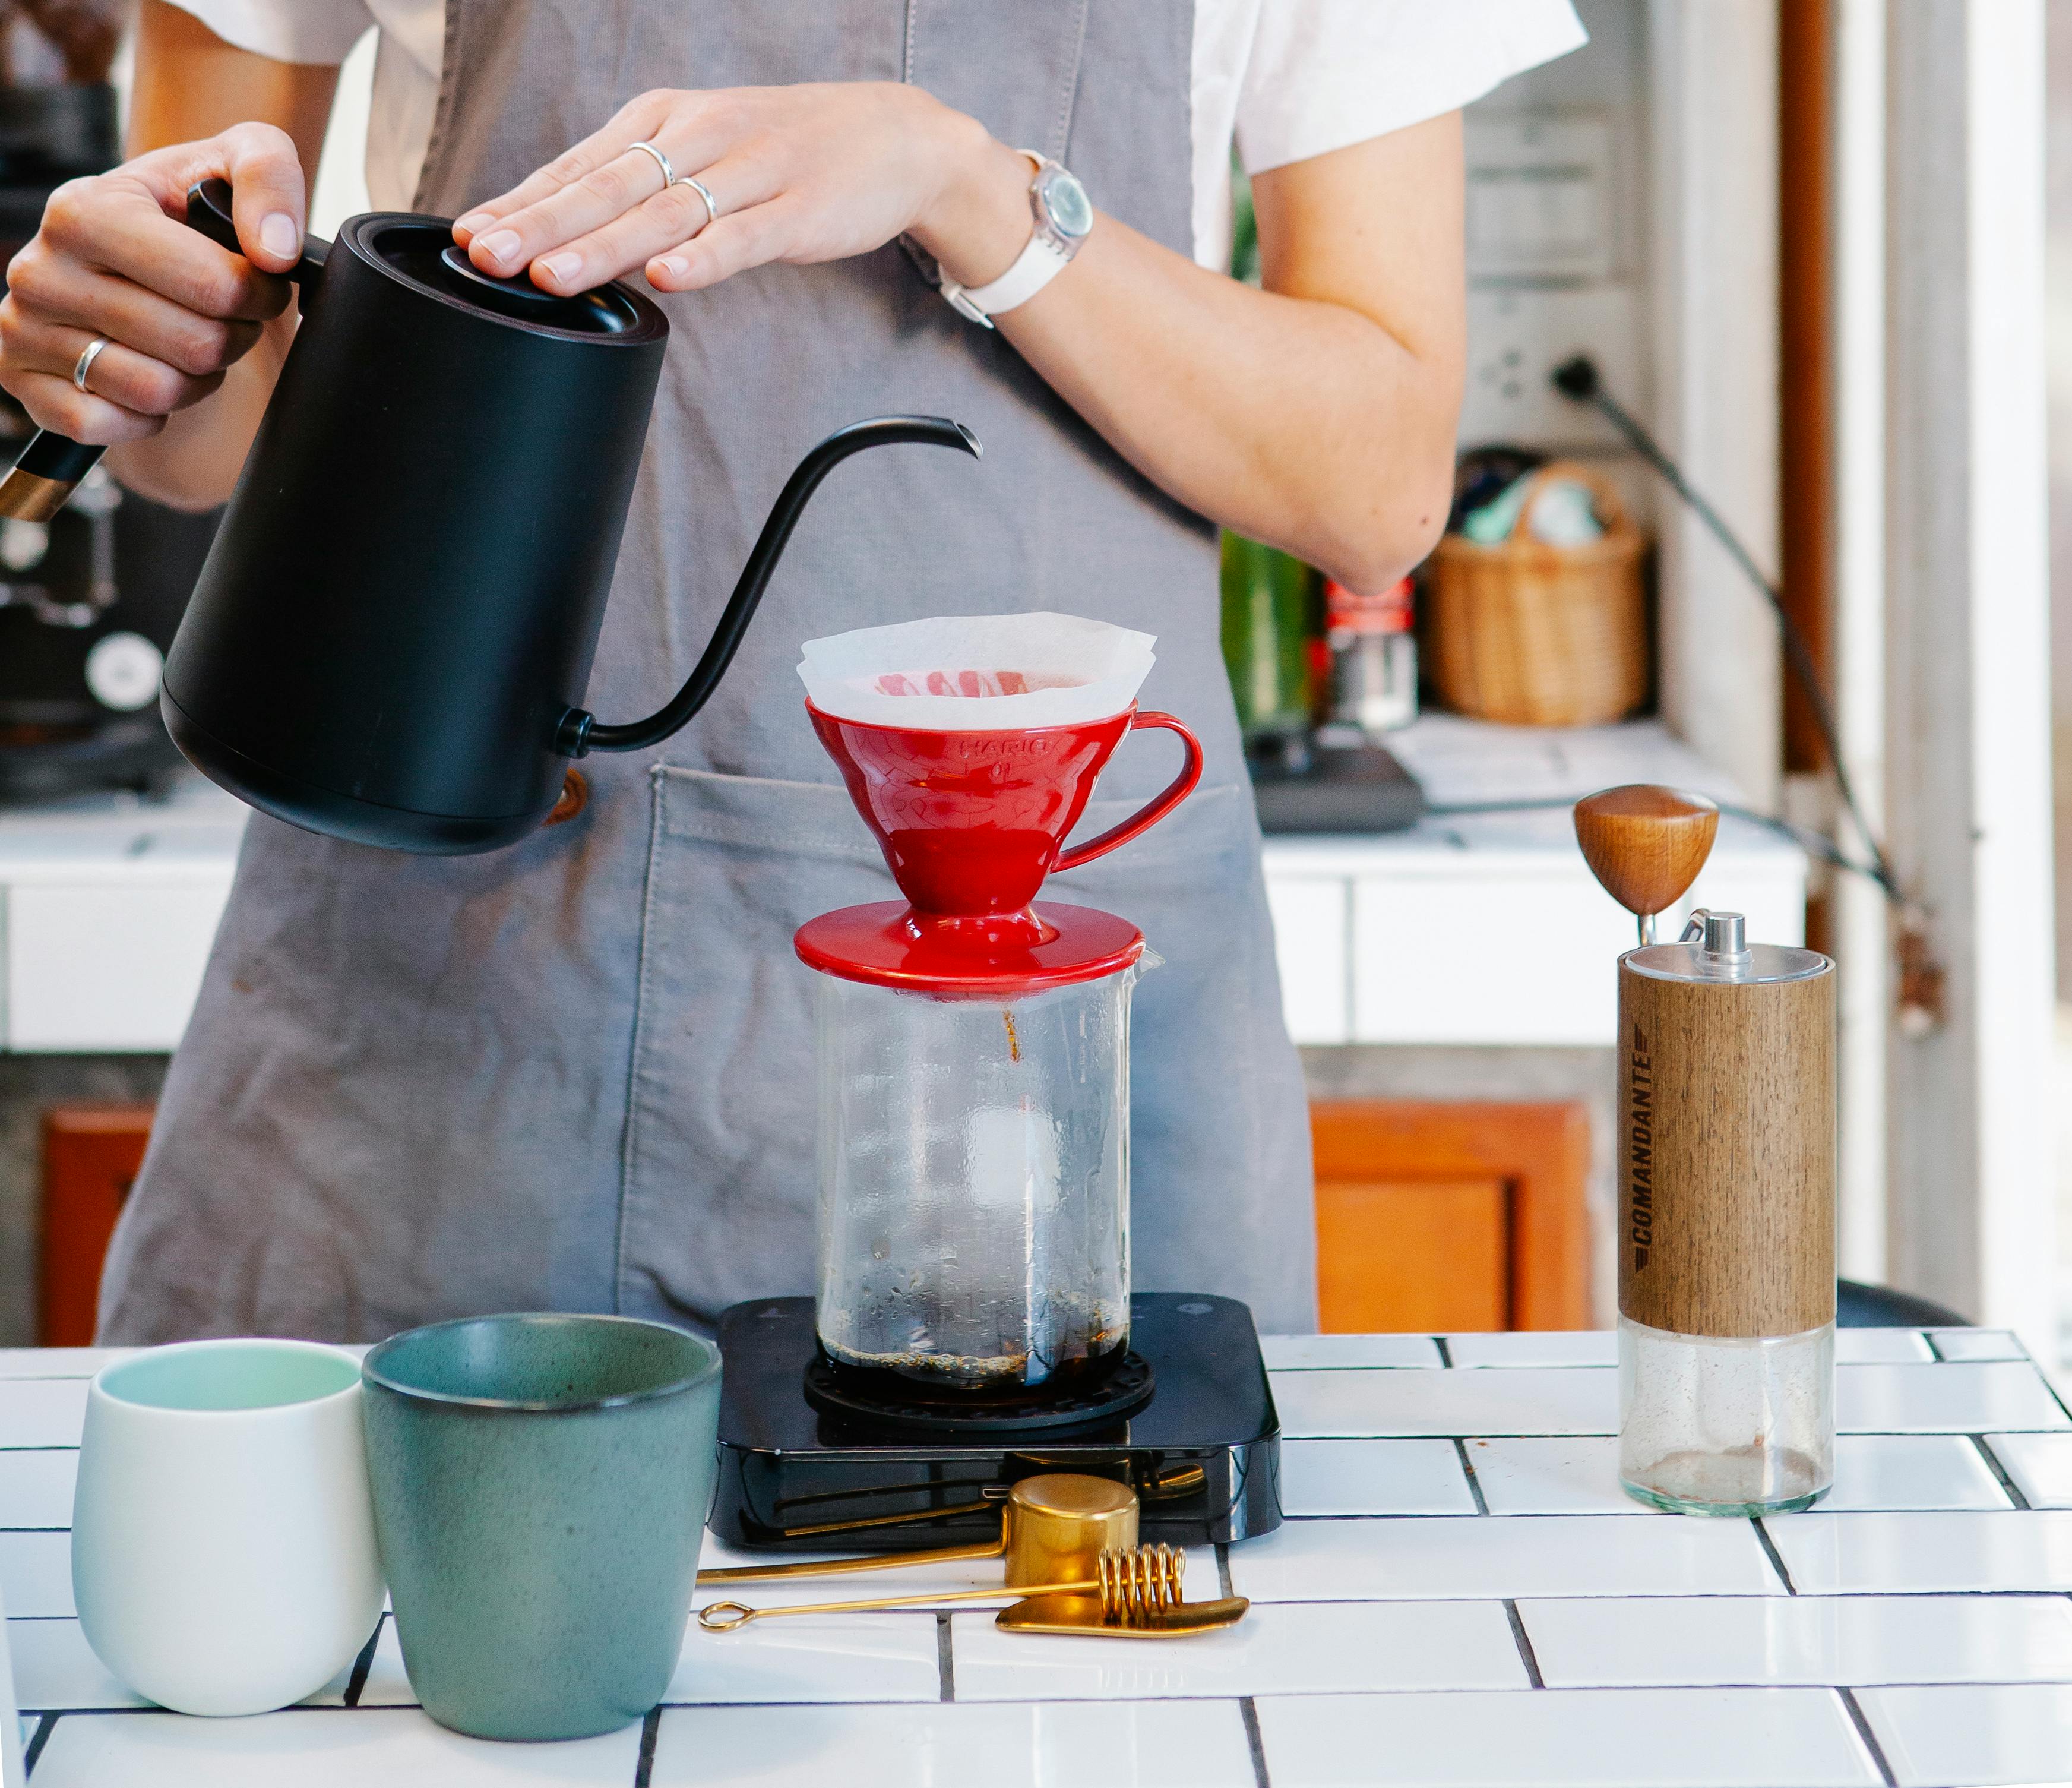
x=540, y=1488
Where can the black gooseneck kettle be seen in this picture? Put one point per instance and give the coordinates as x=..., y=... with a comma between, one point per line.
x=391, y=639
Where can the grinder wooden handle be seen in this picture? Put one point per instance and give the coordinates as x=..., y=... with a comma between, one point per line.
x=1647, y=844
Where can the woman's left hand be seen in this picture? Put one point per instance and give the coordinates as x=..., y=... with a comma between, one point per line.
x=799, y=174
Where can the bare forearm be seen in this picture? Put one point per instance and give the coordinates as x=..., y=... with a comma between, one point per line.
x=1317, y=414
x=1294, y=421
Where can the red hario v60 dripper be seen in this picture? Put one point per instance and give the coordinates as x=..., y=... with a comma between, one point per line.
x=973, y=1048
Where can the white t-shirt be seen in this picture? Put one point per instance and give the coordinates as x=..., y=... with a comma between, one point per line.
x=1286, y=79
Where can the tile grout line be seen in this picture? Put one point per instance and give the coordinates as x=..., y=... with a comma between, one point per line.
x=2050, y=1387
x=946, y=1668
x=1527, y=1654
x=1776, y=1557
x=1445, y=1353
x=1935, y=1353
x=1467, y=1467
x=650, y=1729
x=44, y=1728
x=357, y=1684
x=1861, y=1721
x=1993, y=1465
x=1248, y=1712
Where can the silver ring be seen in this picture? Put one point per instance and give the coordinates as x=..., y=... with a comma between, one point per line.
x=704, y=191
x=88, y=356
x=661, y=161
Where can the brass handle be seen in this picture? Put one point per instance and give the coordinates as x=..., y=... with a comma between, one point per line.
x=876, y=1561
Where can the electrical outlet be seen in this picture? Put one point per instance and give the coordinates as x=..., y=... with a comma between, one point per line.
x=1517, y=335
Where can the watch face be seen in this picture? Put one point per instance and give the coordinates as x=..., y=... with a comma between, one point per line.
x=1071, y=212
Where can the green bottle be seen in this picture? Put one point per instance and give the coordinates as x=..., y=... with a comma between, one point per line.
x=1269, y=615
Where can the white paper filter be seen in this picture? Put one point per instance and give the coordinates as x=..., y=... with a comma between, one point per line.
x=978, y=673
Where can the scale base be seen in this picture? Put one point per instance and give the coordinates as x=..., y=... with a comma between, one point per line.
x=1203, y=1453
x=1316, y=786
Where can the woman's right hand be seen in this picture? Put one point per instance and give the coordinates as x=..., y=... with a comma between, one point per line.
x=114, y=259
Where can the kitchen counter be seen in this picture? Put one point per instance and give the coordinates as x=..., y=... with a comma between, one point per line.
x=1460, y=1594
x=107, y=904
x=1407, y=937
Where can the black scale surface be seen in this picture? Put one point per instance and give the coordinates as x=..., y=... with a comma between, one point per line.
x=1204, y=1453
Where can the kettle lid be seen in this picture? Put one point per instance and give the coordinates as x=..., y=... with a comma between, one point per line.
x=421, y=251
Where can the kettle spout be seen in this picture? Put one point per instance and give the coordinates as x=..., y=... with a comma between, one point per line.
x=581, y=732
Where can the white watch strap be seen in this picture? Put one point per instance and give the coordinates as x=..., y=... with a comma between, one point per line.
x=1034, y=268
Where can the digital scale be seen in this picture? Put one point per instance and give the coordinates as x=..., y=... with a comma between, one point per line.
x=1202, y=1448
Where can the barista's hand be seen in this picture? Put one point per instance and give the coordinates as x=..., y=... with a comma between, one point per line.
x=801, y=174
x=113, y=259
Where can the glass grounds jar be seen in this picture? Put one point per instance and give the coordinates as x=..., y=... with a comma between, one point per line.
x=974, y=1181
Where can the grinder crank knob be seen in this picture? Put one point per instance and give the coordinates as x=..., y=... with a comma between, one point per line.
x=1645, y=844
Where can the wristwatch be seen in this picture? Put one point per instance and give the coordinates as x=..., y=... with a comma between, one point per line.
x=1063, y=215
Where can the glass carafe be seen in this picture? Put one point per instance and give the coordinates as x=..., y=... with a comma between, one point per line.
x=974, y=1170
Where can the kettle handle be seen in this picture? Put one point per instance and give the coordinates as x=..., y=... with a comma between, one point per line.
x=39, y=483
x=581, y=732
x=209, y=211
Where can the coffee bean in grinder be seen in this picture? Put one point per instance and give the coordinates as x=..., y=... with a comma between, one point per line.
x=1726, y=1184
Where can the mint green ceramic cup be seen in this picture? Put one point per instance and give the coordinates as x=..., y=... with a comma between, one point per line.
x=540, y=1488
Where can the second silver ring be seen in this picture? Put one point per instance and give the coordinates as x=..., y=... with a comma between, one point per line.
x=704, y=191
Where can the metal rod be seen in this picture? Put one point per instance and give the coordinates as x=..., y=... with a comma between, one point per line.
x=876, y=1561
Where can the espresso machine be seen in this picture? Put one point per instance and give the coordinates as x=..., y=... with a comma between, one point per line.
x=974, y=1323
x=90, y=594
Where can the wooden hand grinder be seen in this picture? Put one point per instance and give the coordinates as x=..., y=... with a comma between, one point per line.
x=1726, y=1180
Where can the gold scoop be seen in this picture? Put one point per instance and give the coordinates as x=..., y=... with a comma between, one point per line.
x=1133, y=1593
x=1052, y=1527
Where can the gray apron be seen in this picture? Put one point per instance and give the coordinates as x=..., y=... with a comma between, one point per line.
x=576, y=1073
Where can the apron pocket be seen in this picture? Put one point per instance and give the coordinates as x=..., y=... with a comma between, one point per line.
x=718, y=1186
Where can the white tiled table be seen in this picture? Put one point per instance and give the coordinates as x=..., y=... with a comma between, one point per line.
x=1460, y=1595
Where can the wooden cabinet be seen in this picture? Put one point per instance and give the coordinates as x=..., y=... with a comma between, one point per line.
x=1431, y=1216
x=1437, y=1216
x=91, y=1154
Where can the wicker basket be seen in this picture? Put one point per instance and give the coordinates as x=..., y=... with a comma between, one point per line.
x=1537, y=635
